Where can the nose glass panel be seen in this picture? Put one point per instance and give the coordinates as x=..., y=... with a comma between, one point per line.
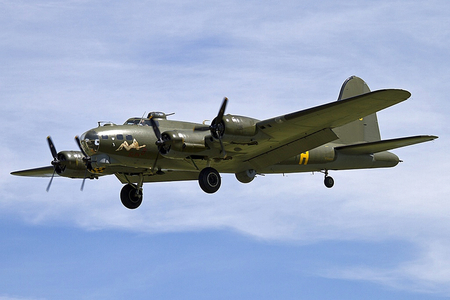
x=90, y=142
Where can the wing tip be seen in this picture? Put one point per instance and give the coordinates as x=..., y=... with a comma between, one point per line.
x=37, y=172
x=427, y=138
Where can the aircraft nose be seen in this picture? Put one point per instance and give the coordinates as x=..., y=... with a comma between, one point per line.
x=90, y=142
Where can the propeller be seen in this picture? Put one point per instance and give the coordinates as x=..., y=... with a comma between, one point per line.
x=162, y=140
x=163, y=148
x=86, y=157
x=159, y=140
x=87, y=160
x=217, y=126
x=51, y=180
x=56, y=162
x=52, y=149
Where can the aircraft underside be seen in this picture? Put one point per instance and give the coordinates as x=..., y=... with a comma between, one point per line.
x=209, y=177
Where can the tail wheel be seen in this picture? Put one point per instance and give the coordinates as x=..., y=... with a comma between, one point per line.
x=209, y=180
x=329, y=181
x=131, y=197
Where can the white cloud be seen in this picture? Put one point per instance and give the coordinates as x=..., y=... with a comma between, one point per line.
x=430, y=273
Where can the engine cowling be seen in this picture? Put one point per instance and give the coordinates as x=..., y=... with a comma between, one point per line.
x=71, y=164
x=237, y=129
x=246, y=176
x=179, y=143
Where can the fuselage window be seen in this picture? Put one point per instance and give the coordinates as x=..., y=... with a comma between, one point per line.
x=129, y=138
x=120, y=136
x=104, y=137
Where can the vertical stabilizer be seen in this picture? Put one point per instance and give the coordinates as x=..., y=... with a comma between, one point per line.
x=363, y=130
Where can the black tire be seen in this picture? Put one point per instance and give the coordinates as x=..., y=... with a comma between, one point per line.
x=129, y=198
x=209, y=180
x=329, y=181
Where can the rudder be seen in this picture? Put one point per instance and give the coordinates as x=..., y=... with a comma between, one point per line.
x=362, y=130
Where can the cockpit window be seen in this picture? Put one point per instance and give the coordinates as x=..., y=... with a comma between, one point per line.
x=138, y=121
x=90, y=141
x=132, y=122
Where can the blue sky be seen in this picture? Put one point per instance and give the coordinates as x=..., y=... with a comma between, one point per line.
x=378, y=234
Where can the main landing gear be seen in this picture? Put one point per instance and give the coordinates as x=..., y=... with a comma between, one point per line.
x=209, y=180
x=131, y=196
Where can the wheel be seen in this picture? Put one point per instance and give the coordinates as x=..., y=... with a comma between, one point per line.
x=209, y=180
x=329, y=181
x=130, y=197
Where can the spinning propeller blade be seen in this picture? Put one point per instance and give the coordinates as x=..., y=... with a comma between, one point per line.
x=77, y=139
x=87, y=161
x=56, y=163
x=162, y=147
x=222, y=110
x=217, y=120
x=159, y=140
x=51, y=180
x=217, y=126
x=52, y=148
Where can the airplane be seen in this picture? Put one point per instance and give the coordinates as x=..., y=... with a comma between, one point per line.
x=339, y=135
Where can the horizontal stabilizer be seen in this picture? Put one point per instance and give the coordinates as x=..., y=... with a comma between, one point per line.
x=37, y=172
x=385, y=145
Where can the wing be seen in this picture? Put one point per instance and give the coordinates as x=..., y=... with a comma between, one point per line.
x=37, y=172
x=307, y=129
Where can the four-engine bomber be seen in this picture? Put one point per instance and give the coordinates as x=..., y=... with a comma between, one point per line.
x=336, y=136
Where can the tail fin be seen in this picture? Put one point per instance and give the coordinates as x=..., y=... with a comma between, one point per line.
x=363, y=130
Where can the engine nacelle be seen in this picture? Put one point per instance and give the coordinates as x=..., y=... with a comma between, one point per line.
x=179, y=143
x=72, y=164
x=238, y=129
x=246, y=176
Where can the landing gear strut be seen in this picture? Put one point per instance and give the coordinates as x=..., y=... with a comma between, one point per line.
x=209, y=180
x=328, y=181
x=131, y=196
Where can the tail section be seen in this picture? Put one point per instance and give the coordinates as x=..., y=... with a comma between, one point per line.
x=359, y=131
x=363, y=136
